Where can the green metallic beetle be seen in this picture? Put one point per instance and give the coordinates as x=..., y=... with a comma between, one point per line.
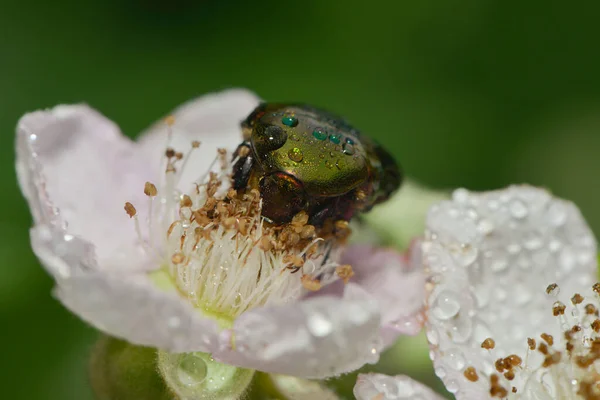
x=301, y=158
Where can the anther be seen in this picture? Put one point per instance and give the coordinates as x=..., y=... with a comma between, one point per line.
x=307, y=232
x=510, y=375
x=577, y=299
x=150, y=189
x=309, y=283
x=551, y=288
x=513, y=360
x=344, y=272
x=300, y=219
x=130, y=210
x=496, y=390
x=210, y=203
x=558, y=308
x=471, y=374
x=170, y=153
x=499, y=364
x=265, y=243
x=170, y=120
x=341, y=224
x=177, y=258
x=294, y=260
x=360, y=195
x=231, y=194
x=229, y=222
x=547, y=338
x=243, y=225
x=488, y=344
x=186, y=201
x=590, y=309
x=551, y=359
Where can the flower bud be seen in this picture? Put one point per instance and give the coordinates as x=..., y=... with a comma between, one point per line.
x=198, y=376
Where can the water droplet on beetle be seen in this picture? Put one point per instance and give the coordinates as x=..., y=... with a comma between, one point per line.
x=271, y=138
x=319, y=134
x=348, y=149
x=295, y=154
x=289, y=120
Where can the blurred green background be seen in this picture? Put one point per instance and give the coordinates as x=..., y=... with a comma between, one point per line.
x=474, y=93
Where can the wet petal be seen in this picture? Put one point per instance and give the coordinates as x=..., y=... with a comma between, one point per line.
x=213, y=119
x=315, y=338
x=490, y=258
x=384, y=387
x=123, y=304
x=395, y=282
x=76, y=171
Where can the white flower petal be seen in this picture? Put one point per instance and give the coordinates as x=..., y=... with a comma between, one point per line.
x=77, y=170
x=395, y=282
x=490, y=257
x=315, y=338
x=212, y=119
x=123, y=304
x=383, y=387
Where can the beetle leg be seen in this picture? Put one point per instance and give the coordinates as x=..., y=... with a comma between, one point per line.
x=333, y=208
x=283, y=197
x=319, y=217
x=243, y=166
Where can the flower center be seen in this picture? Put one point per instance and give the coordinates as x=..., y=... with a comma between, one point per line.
x=562, y=368
x=221, y=254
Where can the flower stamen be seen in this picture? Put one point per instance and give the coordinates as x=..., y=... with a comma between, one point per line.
x=570, y=373
x=220, y=252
